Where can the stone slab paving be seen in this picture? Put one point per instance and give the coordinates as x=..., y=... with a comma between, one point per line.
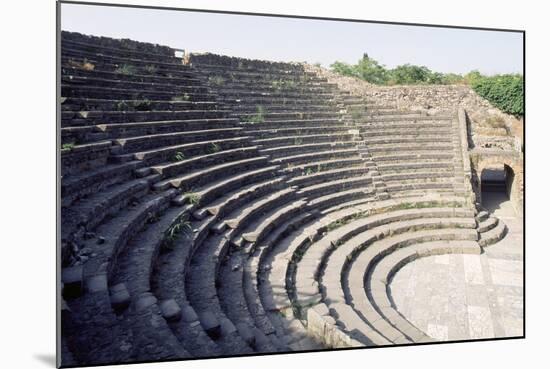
x=460, y=297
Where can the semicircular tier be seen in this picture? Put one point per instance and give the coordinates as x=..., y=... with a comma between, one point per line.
x=233, y=206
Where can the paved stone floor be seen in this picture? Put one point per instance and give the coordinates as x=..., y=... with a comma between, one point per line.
x=458, y=297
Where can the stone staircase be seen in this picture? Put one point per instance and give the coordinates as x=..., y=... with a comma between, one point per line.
x=232, y=206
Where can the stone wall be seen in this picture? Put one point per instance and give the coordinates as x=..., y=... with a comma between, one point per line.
x=115, y=43
x=489, y=127
x=242, y=63
x=323, y=328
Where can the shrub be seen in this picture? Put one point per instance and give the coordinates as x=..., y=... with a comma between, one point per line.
x=213, y=148
x=216, y=80
x=256, y=118
x=151, y=69
x=175, y=230
x=126, y=69
x=178, y=156
x=184, y=97
x=193, y=198
x=503, y=91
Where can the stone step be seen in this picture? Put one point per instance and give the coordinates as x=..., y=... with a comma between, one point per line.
x=185, y=165
x=252, y=102
x=341, y=199
x=411, y=157
x=362, y=258
x=383, y=272
x=417, y=175
x=487, y=224
x=402, y=132
x=414, y=118
x=147, y=142
x=93, y=44
x=303, y=139
x=410, y=148
x=209, y=194
x=79, y=185
x=301, y=125
x=166, y=153
x=323, y=165
x=103, y=118
x=202, y=292
x=292, y=107
x=97, y=92
x=113, y=236
x=404, y=139
x=237, y=218
x=234, y=304
x=127, y=130
x=482, y=216
x=137, y=60
x=262, y=68
x=282, y=151
x=336, y=185
x=493, y=235
x=405, y=126
x=132, y=67
x=79, y=158
x=246, y=192
x=417, y=185
x=169, y=283
x=442, y=165
x=124, y=84
x=258, y=229
x=84, y=215
x=310, y=177
x=134, y=270
x=296, y=131
x=254, y=94
x=76, y=104
x=137, y=75
x=228, y=87
x=315, y=157
x=199, y=177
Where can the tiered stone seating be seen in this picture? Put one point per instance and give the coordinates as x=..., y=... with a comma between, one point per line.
x=232, y=206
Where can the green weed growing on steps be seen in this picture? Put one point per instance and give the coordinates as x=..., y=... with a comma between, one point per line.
x=68, y=146
x=126, y=69
x=193, y=198
x=122, y=106
x=184, y=97
x=256, y=118
x=298, y=141
x=178, y=156
x=356, y=112
x=216, y=80
x=142, y=105
x=151, y=69
x=213, y=148
x=181, y=226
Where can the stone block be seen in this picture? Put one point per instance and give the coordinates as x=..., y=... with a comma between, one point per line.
x=72, y=279
x=188, y=314
x=97, y=283
x=211, y=324
x=171, y=311
x=120, y=297
x=246, y=333
x=227, y=327
x=145, y=301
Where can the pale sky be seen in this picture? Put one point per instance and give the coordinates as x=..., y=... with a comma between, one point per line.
x=285, y=39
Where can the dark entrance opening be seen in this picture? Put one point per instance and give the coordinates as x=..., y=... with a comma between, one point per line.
x=496, y=186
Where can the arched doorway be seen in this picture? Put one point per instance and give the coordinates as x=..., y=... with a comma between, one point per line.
x=497, y=183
